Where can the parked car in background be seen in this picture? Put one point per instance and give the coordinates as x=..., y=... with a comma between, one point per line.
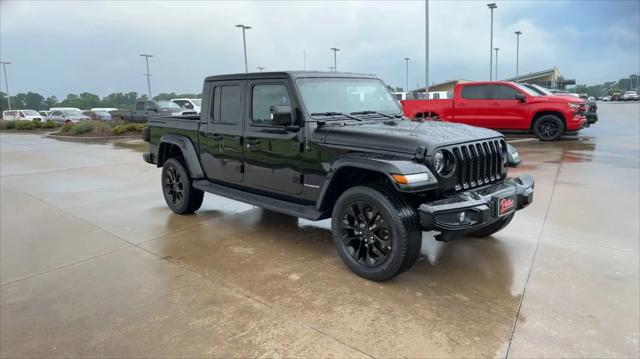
x=191, y=104
x=145, y=109
x=64, y=108
x=630, y=96
x=605, y=98
x=98, y=115
x=107, y=109
x=433, y=95
x=616, y=97
x=592, y=107
x=504, y=106
x=43, y=113
x=67, y=115
x=27, y=115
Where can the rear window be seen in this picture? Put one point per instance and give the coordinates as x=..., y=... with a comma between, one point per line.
x=475, y=92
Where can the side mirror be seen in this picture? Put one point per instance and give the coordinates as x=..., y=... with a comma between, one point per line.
x=521, y=97
x=281, y=115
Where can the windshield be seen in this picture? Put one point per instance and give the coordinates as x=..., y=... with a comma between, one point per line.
x=346, y=95
x=197, y=102
x=167, y=104
x=540, y=89
x=30, y=113
x=528, y=90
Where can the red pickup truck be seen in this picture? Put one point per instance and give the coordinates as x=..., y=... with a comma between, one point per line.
x=505, y=106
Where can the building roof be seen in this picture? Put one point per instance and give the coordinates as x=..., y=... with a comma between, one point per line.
x=421, y=89
x=535, y=74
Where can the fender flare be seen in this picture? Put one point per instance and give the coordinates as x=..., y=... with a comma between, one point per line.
x=188, y=153
x=385, y=165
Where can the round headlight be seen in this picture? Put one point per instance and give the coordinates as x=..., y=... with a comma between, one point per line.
x=444, y=163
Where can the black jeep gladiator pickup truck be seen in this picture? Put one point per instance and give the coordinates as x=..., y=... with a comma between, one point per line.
x=335, y=145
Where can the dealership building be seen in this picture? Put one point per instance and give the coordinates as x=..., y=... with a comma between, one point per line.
x=551, y=78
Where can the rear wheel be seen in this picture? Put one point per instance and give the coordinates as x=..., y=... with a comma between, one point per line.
x=376, y=233
x=177, y=188
x=548, y=128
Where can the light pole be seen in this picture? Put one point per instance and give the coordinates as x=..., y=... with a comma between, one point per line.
x=332, y=68
x=518, y=33
x=260, y=68
x=6, y=81
x=426, y=47
x=497, y=48
x=244, y=44
x=335, y=64
x=491, y=7
x=407, y=72
x=148, y=75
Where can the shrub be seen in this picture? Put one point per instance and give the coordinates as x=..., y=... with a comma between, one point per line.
x=37, y=123
x=119, y=130
x=49, y=124
x=101, y=128
x=25, y=125
x=7, y=125
x=140, y=127
x=67, y=127
x=82, y=127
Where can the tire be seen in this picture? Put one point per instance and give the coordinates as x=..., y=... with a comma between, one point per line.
x=177, y=188
x=548, y=128
x=493, y=227
x=376, y=233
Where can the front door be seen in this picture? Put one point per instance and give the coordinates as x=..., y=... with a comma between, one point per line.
x=272, y=152
x=510, y=113
x=221, y=139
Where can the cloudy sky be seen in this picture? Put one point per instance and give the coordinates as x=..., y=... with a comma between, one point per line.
x=58, y=47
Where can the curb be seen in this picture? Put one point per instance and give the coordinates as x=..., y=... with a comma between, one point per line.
x=85, y=138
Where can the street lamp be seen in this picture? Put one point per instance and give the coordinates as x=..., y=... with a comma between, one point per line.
x=497, y=48
x=244, y=44
x=518, y=33
x=407, y=72
x=335, y=64
x=491, y=6
x=148, y=75
x=260, y=68
x=6, y=81
x=426, y=47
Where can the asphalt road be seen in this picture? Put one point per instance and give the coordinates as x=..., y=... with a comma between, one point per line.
x=93, y=264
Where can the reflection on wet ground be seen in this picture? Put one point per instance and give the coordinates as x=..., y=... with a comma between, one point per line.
x=94, y=264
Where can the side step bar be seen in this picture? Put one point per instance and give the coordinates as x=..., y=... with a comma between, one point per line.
x=277, y=205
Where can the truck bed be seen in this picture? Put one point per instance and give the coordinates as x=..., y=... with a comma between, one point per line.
x=442, y=108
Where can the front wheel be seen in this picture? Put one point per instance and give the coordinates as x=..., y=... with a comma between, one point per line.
x=376, y=233
x=178, y=191
x=548, y=128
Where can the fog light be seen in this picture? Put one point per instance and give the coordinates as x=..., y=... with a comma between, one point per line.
x=462, y=217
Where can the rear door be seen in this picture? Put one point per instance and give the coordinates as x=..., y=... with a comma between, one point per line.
x=272, y=152
x=509, y=113
x=473, y=106
x=221, y=141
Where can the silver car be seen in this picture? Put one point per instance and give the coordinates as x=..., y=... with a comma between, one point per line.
x=64, y=116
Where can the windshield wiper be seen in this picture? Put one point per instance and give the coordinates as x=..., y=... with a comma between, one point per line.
x=334, y=114
x=373, y=113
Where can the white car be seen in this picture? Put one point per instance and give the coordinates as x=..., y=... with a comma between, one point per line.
x=103, y=109
x=27, y=115
x=64, y=116
x=192, y=104
x=630, y=96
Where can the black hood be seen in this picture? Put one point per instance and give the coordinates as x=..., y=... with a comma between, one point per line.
x=404, y=136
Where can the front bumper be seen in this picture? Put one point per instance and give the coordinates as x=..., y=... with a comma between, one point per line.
x=475, y=209
x=592, y=118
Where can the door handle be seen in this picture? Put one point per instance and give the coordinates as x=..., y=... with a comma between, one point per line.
x=461, y=105
x=495, y=104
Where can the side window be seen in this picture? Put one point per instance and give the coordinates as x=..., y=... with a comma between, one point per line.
x=214, y=107
x=265, y=96
x=502, y=92
x=475, y=92
x=139, y=106
x=150, y=104
x=229, y=108
x=56, y=113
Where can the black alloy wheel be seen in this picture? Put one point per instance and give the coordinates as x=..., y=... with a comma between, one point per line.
x=366, y=234
x=177, y=188
x=549, y=128
x=173, y=186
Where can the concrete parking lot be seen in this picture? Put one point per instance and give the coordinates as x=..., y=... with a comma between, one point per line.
x=93, y=264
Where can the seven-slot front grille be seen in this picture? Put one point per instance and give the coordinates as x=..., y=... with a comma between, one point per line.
x=478, y=163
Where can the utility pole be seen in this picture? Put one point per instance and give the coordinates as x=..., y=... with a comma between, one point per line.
x=518, y=33
x=6, y=81
x=260, y=68
x=244, y=44
x=426, y=47
x=491, y=7
x=148, y=74
x=332, y=68
x=407, y=73
x=335, y=64
x=497, y=48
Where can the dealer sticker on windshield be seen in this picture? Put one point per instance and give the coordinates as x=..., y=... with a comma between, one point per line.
x=506, y=205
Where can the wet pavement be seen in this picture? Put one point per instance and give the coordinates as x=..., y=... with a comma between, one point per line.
x=92, y=263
